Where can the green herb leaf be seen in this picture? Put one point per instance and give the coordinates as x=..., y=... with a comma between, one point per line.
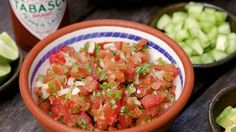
x=113, y=103
x=84, y=123
x=103, y=75
x=88, y=68
x=114, y=93
x=123, y=109
x=75, y=110
x=142, y=69
x=161, y=61
x=107, y=85
x=131, y=89
x=97, y=49
x=68, y=96
x=86, y=47
x=51, y=87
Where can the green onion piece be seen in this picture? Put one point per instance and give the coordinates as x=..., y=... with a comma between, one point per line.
x=142, y=69
x=97, y=49
x=123, y=109
x=131, y=89
x=86, y=47
x=68, y=96
x=114, y=93
x=113, y=103
x=107, y=85
x=88, y=68
x=103, y=75
x=84, y=123
x=51, y=87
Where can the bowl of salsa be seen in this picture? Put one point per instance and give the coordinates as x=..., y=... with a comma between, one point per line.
x=106, y=75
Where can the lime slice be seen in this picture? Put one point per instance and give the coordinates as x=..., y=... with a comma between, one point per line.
x=8, y=48
x=5, y=69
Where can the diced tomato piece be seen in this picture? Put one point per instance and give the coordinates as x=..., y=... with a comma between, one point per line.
x=57, y=58
x=141, y=43
x=138, y=112
x=120, y=76
x=168, y=68
x=153, y=111
x=124, y=121
x=111, y=113
x=101, y=124
x=82, y=57
x=151, y=100
x=69, y=50
x=117, y=57
x=45, y=106
x=141, y=91
x=91, y=84
x=126, y=49
x=94, y=73
x=118, y=45
x=54, y=100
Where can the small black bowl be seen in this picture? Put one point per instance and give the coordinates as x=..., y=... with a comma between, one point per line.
x=181, y=7
x=226, y=97
x=15, y=69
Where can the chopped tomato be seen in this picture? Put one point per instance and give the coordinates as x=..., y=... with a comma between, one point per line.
x=151, y=100
x=57, y=58
x=124, y=121
x=140, y=44
x=91, y=84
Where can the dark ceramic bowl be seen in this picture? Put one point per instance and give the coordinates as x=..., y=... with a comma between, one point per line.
x=15, y=69
x=226, y=97
x=181, y=7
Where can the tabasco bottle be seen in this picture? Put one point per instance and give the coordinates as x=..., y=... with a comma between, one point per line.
x=33, y=20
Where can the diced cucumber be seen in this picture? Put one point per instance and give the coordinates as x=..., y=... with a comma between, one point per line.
x=194, y=32
x=181, y=35
x=223, y=119
x=207, y=58
x=195, y=15
x=206, y=26
x=169, y=27
x=212, y=34
x=196, y=46
x=224, y=28
x=233, y=129
x=208, y=17
x=209, y=10
x=181, y=44
x=191, y=23
x=178, y=26
x=164, y=19
x=179, y=17
x=218, y=54
x=232, y=43
x=203, y=39
x=194, y=7
x=196, y=59
x=188, y=50
x=220, y=17
x=221, y=42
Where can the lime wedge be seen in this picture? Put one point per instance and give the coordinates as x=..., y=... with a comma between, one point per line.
x=8, y=48
x=5, y=69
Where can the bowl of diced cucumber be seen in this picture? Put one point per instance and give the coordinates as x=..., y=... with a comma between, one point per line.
x=205, y=32
x=222, y=111
x=10, y=61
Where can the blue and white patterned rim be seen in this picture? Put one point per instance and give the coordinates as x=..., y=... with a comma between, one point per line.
x=99, y=35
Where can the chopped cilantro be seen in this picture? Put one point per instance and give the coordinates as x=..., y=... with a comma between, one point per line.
x=161, y=61
x=97, y=49
x=86, y=47
x=142, y=69
x=75, y=110
x=103, y=75
x=113, y=103
x=145, y=47
x=88, y=68
x=107, y=85
x=123, y=109
x=49, y=112
x=114, y=93
x=131, y=89
x=51, y=87
x=68, y=95
x=84, y=123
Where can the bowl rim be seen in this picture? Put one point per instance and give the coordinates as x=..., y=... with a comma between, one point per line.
x=160, y=121
x=12, y=78
x=212, y=123
x=182, y=4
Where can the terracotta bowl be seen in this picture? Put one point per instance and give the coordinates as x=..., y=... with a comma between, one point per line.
x=76, y=35
x=226, y=97
x=181, y=7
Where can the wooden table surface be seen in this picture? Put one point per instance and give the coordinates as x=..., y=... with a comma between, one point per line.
x=15, y=117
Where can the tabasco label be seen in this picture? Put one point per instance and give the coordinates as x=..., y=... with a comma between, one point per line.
x=40, y=17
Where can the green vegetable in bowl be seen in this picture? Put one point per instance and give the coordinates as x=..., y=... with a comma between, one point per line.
x=202, y=32
x=227, y=119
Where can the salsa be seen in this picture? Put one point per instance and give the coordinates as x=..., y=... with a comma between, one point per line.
x=106, y=86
